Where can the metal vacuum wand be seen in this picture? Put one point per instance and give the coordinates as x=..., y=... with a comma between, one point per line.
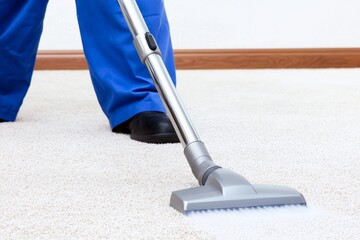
x=195, y=151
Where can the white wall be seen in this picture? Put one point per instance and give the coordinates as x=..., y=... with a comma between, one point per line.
x=233, y=24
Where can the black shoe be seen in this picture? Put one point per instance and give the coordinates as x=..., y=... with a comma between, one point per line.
x=149, y=127
x=2, y=120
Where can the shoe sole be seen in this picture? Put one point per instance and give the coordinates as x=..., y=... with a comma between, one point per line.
x=156, y=138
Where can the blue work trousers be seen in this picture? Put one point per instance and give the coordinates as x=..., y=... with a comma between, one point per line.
x=122, y=83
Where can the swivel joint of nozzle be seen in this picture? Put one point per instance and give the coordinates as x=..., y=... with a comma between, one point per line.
x=200, y=161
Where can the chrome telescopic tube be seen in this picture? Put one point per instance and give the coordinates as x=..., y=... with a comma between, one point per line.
x=195, y=151
x=151, y=56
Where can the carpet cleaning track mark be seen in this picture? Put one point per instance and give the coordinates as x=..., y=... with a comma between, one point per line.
x=265, y=223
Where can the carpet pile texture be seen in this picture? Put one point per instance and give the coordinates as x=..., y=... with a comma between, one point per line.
x=65, y=175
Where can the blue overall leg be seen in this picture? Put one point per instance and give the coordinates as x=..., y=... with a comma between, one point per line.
x=21, y=23
x=122, y=83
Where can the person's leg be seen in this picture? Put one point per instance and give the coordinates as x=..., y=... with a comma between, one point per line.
x=21, y=23
x=122, y=83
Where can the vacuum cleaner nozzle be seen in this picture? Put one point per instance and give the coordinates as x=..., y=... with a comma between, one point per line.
x=225, y=189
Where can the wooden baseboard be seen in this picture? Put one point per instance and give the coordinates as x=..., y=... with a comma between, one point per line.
x=225, y=59
x=60, y=60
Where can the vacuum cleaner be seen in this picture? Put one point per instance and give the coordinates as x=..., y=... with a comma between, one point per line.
x=219, y=188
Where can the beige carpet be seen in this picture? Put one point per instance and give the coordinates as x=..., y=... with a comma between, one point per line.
x=65, y=175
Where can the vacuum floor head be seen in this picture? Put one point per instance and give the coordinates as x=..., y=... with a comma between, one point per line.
x=225, y=189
